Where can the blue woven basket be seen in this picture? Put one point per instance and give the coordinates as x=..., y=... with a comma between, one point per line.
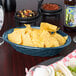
x=35, y=51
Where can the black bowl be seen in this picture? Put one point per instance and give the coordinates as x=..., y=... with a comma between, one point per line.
x=35, y=20
x=51, y=12
x=70, y=28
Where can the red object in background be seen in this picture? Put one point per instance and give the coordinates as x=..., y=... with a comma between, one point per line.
x=49, y=6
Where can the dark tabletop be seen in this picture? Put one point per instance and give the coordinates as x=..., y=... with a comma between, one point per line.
x=13, y=63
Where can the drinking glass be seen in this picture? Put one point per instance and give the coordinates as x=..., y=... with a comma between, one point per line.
x=74, y=39
x=1, y=22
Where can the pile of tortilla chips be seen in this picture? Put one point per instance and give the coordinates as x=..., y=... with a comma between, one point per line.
x=46, y=36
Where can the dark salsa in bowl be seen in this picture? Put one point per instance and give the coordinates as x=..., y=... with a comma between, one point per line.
x=50, y=7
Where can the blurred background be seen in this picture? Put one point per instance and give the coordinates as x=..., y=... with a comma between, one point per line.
x=32, y=4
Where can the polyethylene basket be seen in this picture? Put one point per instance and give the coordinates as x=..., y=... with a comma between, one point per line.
x=36, y=51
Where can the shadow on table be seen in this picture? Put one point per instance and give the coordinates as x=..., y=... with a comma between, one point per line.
x=50, y=61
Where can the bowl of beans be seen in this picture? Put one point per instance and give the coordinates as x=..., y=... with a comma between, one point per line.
x=51, y=8
x=27, y=17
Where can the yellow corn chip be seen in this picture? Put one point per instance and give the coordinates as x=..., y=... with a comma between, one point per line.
x=65, y=37
x=37, y=41
x=26, y=40
x=48, y=27
x=19, y=29
x=49, y=41
x=61, y=39
x=15, y=37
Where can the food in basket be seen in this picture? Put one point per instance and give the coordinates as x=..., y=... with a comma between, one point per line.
x=26, y=13
x=46, y=36
x=15, y=37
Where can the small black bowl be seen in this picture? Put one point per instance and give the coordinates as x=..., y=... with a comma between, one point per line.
x=69, y=28
x=51, y=12
x=51, y=16
x=34, y=20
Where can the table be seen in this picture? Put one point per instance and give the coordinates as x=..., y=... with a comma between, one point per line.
x=51, y=61
x=12, y=62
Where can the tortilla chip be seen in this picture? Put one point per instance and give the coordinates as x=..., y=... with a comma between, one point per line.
x=60, y=38
x=49, y=41
x=19, y=29
x=15, y=37
x=48, y=27
x=37, y=41
x=26, y=40
x=65, y=37
x=22, y=30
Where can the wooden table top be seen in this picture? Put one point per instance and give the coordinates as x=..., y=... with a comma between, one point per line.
x=13, y=63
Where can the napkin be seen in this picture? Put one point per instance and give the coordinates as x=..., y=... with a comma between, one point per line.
x=66, y=59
